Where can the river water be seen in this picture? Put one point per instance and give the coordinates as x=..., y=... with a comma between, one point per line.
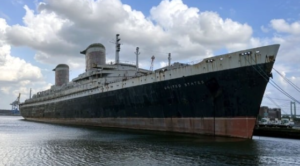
x=30, y=143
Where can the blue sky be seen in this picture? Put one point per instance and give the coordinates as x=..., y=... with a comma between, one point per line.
x=37, y=35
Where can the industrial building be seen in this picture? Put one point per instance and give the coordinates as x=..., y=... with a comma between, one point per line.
x=271, y=113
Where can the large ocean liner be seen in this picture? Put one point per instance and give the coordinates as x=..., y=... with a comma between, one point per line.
x=220, y=95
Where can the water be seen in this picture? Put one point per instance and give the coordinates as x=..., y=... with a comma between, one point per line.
x=29, y=143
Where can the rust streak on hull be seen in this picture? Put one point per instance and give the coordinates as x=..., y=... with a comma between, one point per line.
x=241, y=127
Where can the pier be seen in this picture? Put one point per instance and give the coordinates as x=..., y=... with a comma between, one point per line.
x=4, y=112
x=277, y=132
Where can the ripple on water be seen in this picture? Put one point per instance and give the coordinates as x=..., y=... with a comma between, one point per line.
x=29, y=143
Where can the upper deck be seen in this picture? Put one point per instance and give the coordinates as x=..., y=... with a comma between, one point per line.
x=104, y=78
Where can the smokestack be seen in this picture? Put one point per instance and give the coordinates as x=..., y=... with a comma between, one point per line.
x=61, y=74
x=94, y=55
x=30, y=94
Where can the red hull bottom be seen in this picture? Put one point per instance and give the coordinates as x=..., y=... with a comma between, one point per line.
x=241, y=127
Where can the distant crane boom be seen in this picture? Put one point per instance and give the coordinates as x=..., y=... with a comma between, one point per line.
x=15, y=105
x=19, y=98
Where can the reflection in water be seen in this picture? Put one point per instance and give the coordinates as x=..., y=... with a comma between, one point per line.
x=30, y=143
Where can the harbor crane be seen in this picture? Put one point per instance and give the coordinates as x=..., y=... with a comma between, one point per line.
x=15, y=105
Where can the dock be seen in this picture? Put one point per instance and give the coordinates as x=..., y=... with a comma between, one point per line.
x=278, y=132
x=4, y=112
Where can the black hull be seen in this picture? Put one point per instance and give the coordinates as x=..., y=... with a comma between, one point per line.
x=228, y=93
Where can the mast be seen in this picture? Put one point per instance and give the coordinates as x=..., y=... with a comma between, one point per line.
x=152, y=60
x=117, y=48
x=169, y=59
x=19, y=98
x=137, y=53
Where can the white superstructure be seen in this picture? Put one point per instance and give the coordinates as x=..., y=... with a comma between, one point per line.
x=101, y=78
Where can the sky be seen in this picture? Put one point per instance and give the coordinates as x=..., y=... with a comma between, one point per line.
x=37, y=35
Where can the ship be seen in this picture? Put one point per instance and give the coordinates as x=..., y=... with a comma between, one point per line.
x=219, y=96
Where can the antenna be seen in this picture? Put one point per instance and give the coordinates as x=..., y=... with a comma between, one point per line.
x=117, y=48
x=152, y=60
x=137, y=53
x=169, y=58
x=19, y=98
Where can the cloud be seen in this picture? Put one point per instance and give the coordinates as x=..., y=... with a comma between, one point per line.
x=16, y=69
x=16, y=74
x=58, y=31
x=5, y=90
x=203, y=29
x=3, y=27
x=288, y=35
x=264, y=29
x=287, y=62
x=13, y=68
x=280, y=25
